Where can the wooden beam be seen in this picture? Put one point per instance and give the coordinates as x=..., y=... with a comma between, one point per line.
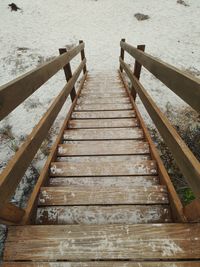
x=164, y=179
x=185, y=159
x=83, y=57
x=15, y=92
x=137, y=69
x=68, y=73
x=17, y=166
x=32, y=202
x=181, y=83
x=122, y=54
x=11, y=214
x=192, y=211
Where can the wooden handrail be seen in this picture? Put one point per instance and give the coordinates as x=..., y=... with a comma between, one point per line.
x=183, y=84
x=16, y=168
x=15, y=92
x=32, y=202
x=185, y=159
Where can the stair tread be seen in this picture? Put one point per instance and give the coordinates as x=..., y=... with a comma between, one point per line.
x=111, y=106
x=103, y=114
x=103, y=100
x=122, y=214
x=104, y=147
x=145, y=167
x=123, y=181
x=108, y=242
x=102, y=195
x=103, y=123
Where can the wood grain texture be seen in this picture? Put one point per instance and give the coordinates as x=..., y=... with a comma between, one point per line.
x=175, y=203
x=108, y=106
x=44, y=174
x=145, y=167
x=103, y=214
x=104, y=147
x=121, y=181
x=58, y=196
x=116, y=114
x=181, y=83
x=15, y=92
x=103, y=123
x=185, y=159
x=101, y=134
x=86, y=242
x=103, y=100
x=17, y=166
x=105, y=264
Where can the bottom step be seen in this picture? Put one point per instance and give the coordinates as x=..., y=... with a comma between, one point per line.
x=104, y=264
x=138, y=242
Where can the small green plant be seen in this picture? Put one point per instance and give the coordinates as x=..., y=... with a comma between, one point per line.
x=187, y=195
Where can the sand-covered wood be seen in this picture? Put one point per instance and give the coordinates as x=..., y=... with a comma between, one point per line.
x=108, y=106
x=116, y=114
x=123, y=214
x=86, y=242
x=104, y=147
x=145, y=167
x=102, y=195
x=105, y=133
x=103, y=123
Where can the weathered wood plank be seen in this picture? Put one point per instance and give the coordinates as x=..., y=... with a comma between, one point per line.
x=185, y=159
x=44, y=174
x=103, y=100
x=15, y=92
x=181, y=83
x=104, y=147
x=175, y=203
x=103, y=214
x=105, y=264
x=61, y=169
x=120, y=181
x=86, y=242
x=116, y=114
x=58, y=196
x=112, y=106
x=103, y=134
x=107, y=158
x=18, y=165
x=86, y=94
x=103, y=123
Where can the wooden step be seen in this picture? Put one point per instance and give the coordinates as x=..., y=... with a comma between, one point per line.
x=104, y=214
x=113, y=106
x=105, y=242
x=104, y=158
x=104, y=147
x=116, y=114
x=105, y=264
x=121, y=181
x=103, y=123
x=73, y=195
x=147, y=167
x=103, y=134
x=86, y=94
x=103, y=100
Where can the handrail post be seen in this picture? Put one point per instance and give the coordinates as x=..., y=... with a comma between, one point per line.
x=83, y=57
x=68, y=73
x=122, y=55
x=137, y=70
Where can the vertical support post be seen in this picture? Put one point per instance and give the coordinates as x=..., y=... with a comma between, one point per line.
x=137, y=70
x=68, y=73
x=82, y=57
x=122, y=55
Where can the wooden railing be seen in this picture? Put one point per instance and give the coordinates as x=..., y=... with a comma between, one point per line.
x=185, y=86
x=12, y=95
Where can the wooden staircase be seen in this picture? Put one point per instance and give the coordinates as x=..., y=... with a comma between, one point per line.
x=104, y=197
x=105, y=203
